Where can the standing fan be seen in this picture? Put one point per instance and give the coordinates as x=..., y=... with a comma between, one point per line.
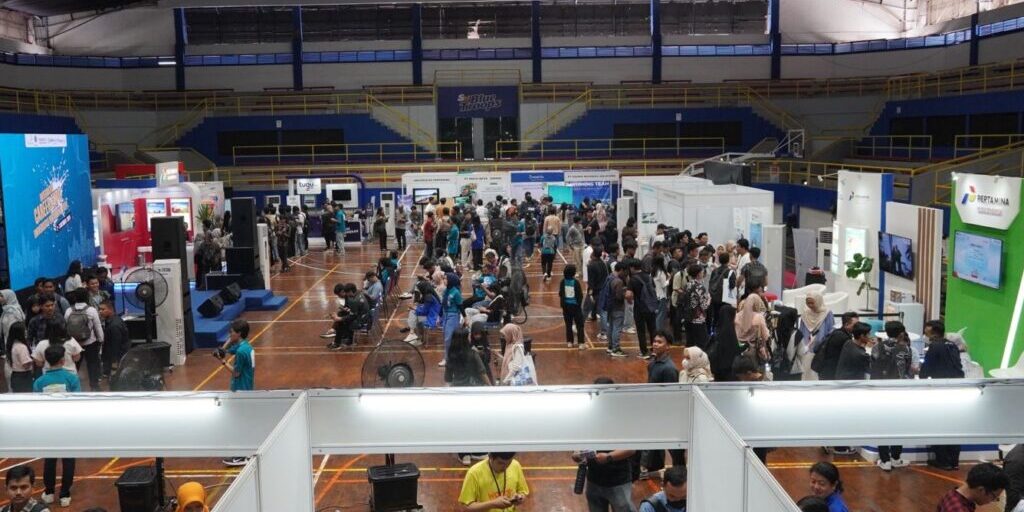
x=149, y=293
x=517, y=291
x=393, y=364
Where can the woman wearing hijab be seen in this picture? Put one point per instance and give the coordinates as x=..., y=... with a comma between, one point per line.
x=727, y=347
x=192, y=498
x=752, y=329
x=10, y=313
x=515, y=352
x=696, y=367
x=451, y=306
x=815, y=325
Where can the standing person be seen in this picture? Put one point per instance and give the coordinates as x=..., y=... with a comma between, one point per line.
x=570, y=295
x=752, y=329
x=19, y=358
x=451, y=305
x=466, y=233
x=380, y=229
x=609, y=479
x=1013, y=466
x=826, y=358
x=46, y=316
x=10, y=312
x=985, y=482
x=401, y=226
x=718, y=286
x=661, y=370
x=645, y=305
x=19, y=481
x=429, y=228
x=753, y=274
x=327, y=223
x=825, y=484
x=854, y=359
x=942, y=361
x=416, y=222
x=696, y=367
x=552, y=224
x=84, y=325
x=56, y=335
x=479, y=240
x=495, y=484
x=96, y=293
x=74, y=277
x=243, y=368
x=57, y=379
x=207, y=256
x=284, y=232
x=672, y=497
x=548, y=247
x=454, y=239
x=695, y=303
x=340, y=228
x=892, y=359
x=596, y=276
x=614, y=303
x=301, y=230
x=726, y=347
x=815, y=325
x=661, y=280
x=574, y=239
x=116, y=341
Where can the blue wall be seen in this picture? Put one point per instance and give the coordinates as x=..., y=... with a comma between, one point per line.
x=31, y=123
x=600, y=123
x=358, y=128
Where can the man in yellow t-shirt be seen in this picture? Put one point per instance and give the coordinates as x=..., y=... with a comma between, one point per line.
x=495, y=484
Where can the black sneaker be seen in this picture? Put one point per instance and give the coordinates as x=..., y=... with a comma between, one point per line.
x=404, y=330
x=334, y=346
x=618, y=353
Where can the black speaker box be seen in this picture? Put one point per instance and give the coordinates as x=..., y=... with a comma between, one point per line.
x=211, y=307
x=161, y=349
x=168, y=238
x=241, y=260
x=219, y=280
x=231, y=293
x=138, y=489
x=393, y=487
x=243, y=222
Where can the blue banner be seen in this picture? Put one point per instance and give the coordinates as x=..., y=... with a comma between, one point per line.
x=549, y=177
x=47, y=204
x=478, y=101
x=599, y=190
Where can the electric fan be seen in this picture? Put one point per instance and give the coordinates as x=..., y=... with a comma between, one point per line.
x=516, y=289
x=149, y=293
x=393, y=364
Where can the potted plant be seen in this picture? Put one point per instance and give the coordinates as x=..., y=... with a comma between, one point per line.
x=205, y=213
x=862, y=266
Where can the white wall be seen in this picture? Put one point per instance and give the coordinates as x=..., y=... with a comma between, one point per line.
x=139, y=31
x=814, y=219
x=859, y=206
x=815, y=21
x=598, y=71
x=239, y=78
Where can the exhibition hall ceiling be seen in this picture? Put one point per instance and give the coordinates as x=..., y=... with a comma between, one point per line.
x=55, y=7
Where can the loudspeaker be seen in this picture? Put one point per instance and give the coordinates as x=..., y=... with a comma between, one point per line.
x=241, y=260
x=161, y=349
x=138, y=489
x=168, y=234
x=393, y=487
x=218, y=280
x=230, y=294
x=243, y=222
x=211, y=307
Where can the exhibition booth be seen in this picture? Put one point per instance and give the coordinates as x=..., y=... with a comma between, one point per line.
x=718, y=424
x=570, y=187
x=47, y=212
x=985, y=259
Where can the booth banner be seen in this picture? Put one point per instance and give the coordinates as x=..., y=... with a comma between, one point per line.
x=591, y=185
x=47, y=204
x=478, y=101
x=293, y=201
x=484, y=185
x=990, y=201
x=534, y=182
x=167, y=173
x=647, y=210
x=308, y=186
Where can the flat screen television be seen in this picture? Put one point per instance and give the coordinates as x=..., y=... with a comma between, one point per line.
x=423, y=195
x=895, y=255
x=341, y=194
x=978, y=259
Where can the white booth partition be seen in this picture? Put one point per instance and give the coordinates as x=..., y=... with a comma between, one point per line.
x=763, y=491
x=284, y=455
x=718, y=451
x=244, y=493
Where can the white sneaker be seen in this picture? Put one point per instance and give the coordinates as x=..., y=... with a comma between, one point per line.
x=65, y=502
x=886, y=466
x=630, y=330
x=602, y=336
x=416, y=343
x=411, y=338
x=47, y=498
x=466, y=460
x=442, y=363
x=900, y=463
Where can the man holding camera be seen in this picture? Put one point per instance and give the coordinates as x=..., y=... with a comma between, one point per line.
x=609, y=480
x=495, y=484
x=242, y=368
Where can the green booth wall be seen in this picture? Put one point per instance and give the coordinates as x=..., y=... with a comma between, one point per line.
x=986, y=312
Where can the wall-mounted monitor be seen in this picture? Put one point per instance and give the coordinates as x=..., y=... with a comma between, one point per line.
x=895, y=255
x=341, y=194
x=423, y=195
x=978, y=259
x=125, y=216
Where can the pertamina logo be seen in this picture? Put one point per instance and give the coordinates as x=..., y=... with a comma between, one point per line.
x=972, y=196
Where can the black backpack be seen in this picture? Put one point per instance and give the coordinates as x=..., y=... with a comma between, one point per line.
x=78, y=325
x=716, y=282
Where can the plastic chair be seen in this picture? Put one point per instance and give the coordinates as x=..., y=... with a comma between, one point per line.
x=797, y=296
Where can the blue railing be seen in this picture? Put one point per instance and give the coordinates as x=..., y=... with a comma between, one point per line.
x=558, y=52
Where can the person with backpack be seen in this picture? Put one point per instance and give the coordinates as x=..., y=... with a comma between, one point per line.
x=942, y=361
x=892, y=359
x=718, y=283
x=548, y=248
x=753, y=274
x=694, y=306
x=613, y=302
x=570, y=295
x=19, y=482
x=672, y=497
x=826, y=357
x=60, y=380
x=284, y=231
x=855, y=358
x=84, y=325
x=207, y=255
x=645, y=305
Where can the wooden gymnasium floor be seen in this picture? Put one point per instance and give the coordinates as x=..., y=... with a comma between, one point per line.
x=292, y=355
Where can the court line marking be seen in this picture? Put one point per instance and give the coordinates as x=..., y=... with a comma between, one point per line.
x=320, y=470
x=334, y=480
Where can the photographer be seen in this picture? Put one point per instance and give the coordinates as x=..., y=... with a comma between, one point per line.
x=609, y=479
x=243, y=367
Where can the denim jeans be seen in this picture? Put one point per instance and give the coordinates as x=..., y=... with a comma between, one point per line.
x=618, y=498
x=602, y=321
x=662, y=314
x=615, y=320
x=628, y=320
x=451, y=323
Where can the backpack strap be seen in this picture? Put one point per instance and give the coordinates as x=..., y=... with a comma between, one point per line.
x=657, y=506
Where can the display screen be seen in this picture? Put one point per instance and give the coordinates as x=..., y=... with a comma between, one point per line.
x=341, y=194
x=125, y=213
x=47, y=204
x=895, y=255
x=182, y=208
x=978, y=259
x=560, y=194
x=423, y=195
x=156, y=207
x=756, y=238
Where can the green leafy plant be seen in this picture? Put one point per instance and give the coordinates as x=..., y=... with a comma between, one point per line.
x=205, y=213
x=862, y=266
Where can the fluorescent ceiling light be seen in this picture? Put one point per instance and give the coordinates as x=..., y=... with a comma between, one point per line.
x=475, y=402
x=167, y=63
x=73, y=407
x=863, y=396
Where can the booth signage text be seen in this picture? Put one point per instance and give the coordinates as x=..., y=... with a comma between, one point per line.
x=990, y=201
